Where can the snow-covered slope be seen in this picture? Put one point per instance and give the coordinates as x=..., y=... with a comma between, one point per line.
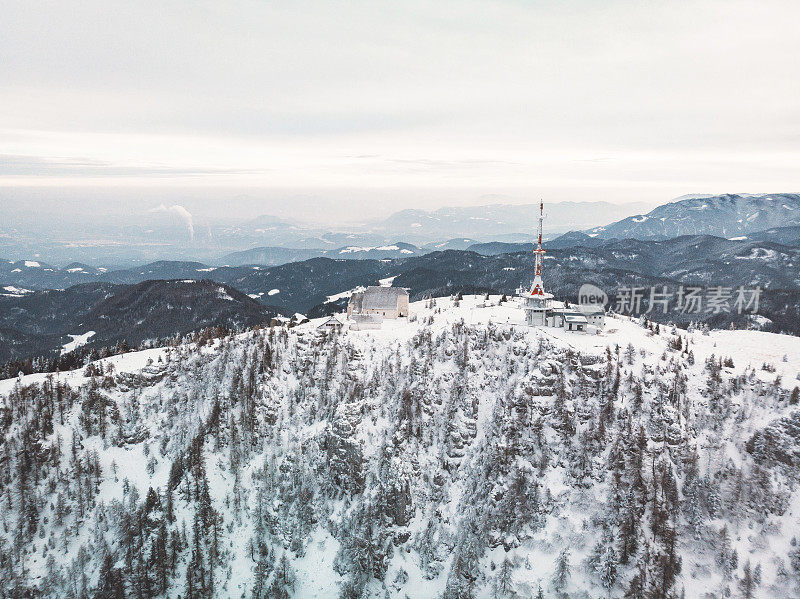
x=727, y=215
x=456, y=453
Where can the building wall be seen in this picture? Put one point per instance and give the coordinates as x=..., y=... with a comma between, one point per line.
x=535, y=317
x=598, y=320
x=402, y=305
x=384, y=313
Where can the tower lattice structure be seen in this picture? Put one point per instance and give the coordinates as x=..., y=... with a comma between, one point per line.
x=537, y=287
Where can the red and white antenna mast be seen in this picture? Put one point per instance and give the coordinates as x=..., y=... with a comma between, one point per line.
x=537, y=287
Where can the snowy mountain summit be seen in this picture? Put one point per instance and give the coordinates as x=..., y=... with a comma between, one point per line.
x=728, y=215
x=455, y=453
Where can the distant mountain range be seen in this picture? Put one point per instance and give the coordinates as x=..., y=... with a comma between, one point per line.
x=24, y=275
x=173, y=234
x=756, y=242
x=269, y=240
x=274, y=256
x=685, y=256
x=500, y=222
x=728, y=215
x=136, y=304
x=567, y=240
x=702, y=260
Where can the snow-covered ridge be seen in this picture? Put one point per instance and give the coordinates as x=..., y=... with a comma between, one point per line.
x=755, y=347
x=382, y=248
x=455, y=451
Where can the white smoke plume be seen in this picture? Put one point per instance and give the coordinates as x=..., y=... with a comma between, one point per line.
x=182, y=213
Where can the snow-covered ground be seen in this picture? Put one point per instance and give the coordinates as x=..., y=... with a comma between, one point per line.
x=11, y=291
x=452, y=409
x=132, y=362
x=746, y=347
x=77, y=341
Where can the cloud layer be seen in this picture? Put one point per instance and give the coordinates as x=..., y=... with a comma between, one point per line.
x=613, y=100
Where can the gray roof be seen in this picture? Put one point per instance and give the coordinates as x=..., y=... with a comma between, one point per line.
x=576, y=318
x=330, y=322
x=377, y=298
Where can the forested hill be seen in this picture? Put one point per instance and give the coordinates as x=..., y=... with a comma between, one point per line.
x=105, y=315
x=454, y=454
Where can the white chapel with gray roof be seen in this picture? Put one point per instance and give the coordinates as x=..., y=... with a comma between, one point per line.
x=386, y=302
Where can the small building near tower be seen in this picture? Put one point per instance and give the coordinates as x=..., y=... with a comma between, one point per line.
x=574, y=321
x=331, y=324
x=595, y=316
x=387, y=302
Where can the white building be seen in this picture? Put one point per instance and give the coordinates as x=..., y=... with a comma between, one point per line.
x=387, y=302
x=365, y=322
x=541, y=309
x=331, y=324
x=573, y=321
x=537, y=307
x=595, y=316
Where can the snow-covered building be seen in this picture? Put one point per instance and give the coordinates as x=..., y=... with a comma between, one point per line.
x=387, y=302
x=541, y=309
x=595, y=316
x=331, y=323
x=563, y=318
x=365, y=322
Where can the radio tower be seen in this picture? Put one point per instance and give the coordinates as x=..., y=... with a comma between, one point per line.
x=537, y=287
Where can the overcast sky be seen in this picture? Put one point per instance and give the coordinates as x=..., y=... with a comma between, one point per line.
x=344, y=110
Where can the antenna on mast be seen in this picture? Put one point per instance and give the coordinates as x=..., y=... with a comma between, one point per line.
x=541, y=218
x=537, y=287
